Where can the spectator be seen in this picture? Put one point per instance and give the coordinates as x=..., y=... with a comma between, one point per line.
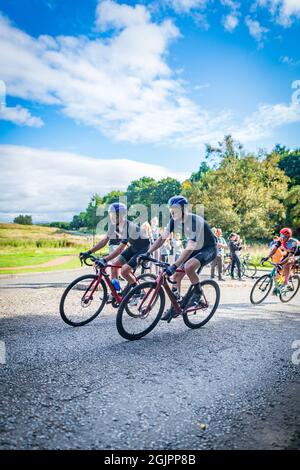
x=235, y=247
x=177, y=246
x=218, y=261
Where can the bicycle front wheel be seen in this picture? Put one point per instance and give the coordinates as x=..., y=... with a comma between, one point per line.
x=81, y=302
x=291, y=289
x=140, y=311
x=261, y=289
x=198, y=315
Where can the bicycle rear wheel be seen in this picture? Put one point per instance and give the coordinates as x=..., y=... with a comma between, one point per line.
x=140, y=311
x=291, y=289
x=200, y=315
x=261, y=289
x=79, y=305
x=250, y=270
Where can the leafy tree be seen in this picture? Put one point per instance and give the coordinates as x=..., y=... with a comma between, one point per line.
x=142, y=191
x=165, y=189
x=23, y=219
x=290, y=164
x=197, y=175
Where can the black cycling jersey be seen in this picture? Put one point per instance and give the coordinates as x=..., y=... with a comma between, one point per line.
x=132, y=234
x=194, y=228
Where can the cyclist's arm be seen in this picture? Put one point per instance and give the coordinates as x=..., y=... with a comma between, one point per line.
x=117, y=251
x=100, y=244
x=159, y=242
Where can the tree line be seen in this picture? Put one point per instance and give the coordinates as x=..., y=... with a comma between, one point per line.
x=253, y=194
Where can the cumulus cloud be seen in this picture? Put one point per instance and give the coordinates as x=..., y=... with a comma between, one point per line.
x=121, y=84
x=265, y=119
x=20, y=116
x=256, y=30
x=230, y=22
x=284, y=11
x=56, y=185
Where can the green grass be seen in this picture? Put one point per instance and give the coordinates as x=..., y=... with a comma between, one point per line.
x=29, y=245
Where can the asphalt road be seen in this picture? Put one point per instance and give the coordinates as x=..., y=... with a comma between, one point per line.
x=230, y=385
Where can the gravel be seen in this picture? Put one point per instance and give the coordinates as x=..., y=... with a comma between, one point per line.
x=230, y=385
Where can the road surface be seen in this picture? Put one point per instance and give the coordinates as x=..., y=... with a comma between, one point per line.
x=230, y=385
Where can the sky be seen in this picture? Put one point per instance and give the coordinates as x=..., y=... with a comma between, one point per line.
x=97, y=93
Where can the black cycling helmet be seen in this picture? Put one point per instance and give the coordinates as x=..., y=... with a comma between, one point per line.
x=117, y=208
x=178, y=201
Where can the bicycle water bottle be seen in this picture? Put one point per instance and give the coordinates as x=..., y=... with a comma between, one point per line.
x=116, y=284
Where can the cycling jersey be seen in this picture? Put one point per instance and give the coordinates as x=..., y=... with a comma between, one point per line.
x=194, y=228
x=292, y=245
x=131, y=233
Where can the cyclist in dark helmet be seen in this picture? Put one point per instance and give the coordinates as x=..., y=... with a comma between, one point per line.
x=133, y=242
x=201, y=246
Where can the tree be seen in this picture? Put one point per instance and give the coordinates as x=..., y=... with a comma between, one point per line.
x=23, y=219
x=165, y=189
x=197, y=175
x=141, y=191
x=243, y=194
x=290, y=163
x=78, y=221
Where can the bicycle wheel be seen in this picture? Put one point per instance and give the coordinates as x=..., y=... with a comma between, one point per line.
x=140, y=311
x=146, y=277
x=291, y=289
x=261, y=289
x=195, y=318
x=79, y=305
x=250, y=270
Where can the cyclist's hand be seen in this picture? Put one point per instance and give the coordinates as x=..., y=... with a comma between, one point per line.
x=101, y=262
x=171, y=270
x=263, y=260
x=83, y=255
x=144, y=257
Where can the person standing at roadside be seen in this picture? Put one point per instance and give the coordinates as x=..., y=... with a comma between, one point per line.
x=235, y=247
x=218, y=261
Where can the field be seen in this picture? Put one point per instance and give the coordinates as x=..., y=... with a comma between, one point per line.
x=33, y=248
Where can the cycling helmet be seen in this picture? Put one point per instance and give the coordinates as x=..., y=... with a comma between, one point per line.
x=287, y=232
x=178, y=201
x=118, y=208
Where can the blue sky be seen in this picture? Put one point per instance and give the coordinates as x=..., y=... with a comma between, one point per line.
x=102, y=92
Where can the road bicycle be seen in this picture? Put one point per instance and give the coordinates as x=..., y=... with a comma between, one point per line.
x=86, y=296
x=263, y=286
x=248, y=269
x=143, y=306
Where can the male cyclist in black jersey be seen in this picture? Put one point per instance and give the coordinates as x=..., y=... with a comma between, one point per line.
x=128, y=233
x=201, y=246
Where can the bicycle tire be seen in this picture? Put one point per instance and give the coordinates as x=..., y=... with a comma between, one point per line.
x=66, y=292
x=217, y=301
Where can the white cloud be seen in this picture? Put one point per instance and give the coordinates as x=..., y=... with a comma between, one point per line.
x=268, y=117
x=289, y=61
x=185, y=6
x=20, y=116
x=59, y=184
x=121, y=84
x=230, y=22
x=256, y=30
x=284, y=11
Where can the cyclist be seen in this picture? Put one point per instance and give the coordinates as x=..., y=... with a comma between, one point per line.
x=201, y=246
x=292, y=249
x=127, y=233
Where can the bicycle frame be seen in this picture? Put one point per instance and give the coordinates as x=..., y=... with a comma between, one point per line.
x=102, y=274
x=162, y=282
